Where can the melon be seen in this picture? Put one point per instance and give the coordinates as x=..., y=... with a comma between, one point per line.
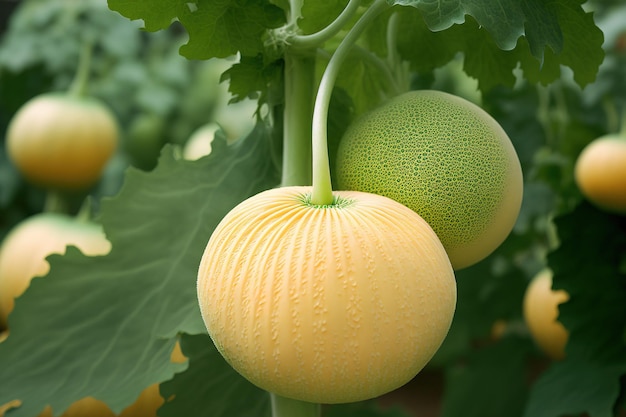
x=600, y=173
x=445, y=158
x=325, y=303
x=541, y=312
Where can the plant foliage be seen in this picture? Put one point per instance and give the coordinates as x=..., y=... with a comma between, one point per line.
x=552, y=74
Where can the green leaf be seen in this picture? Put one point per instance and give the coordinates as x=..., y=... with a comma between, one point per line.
x=422, y=47
x=505, y=22
x=210, y=386
x=571, y=388
x=216, y=29
x=484, y=60
x=316, y=15
x=252, y=77
x=542, y=27
x=490, y=383
x=587, y=266
x=105, y=326
x=361, y=78
x=582, y=43
x=542, y=36
x=594, y=331
x=581, y=51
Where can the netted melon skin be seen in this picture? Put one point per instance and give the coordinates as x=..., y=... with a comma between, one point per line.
x=446, y=159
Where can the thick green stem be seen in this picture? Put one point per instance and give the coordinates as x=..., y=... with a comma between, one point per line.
x=287, y=407
x=322, y=187
x=79, y=84
x=299, y=90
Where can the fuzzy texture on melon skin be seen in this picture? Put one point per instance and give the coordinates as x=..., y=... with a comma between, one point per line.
x=60, y=141
x=25, y=248
x=446, y=159
x=326, y=304
x=600, y=173
x=541, y=312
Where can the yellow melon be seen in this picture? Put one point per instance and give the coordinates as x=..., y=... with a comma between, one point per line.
x=446, y=159
x=24, y=250
x=61, y=141
x=600, y=173
x=326, y=304
x=541, y=311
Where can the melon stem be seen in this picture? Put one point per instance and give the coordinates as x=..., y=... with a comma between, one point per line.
x=288, y=407
x=78, y=88
x=322, y=194
x=55, y=202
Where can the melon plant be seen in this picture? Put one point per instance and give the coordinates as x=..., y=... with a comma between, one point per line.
x=63, y=140
x=24, y=250
x=162, y=220
x=322, y=296
x=445, y=158
x=541, y=311
x=600, y=172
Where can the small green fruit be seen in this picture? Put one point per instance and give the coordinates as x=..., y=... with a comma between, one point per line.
x=446, y=159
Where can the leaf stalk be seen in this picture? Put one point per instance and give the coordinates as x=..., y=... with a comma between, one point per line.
x=316, y=39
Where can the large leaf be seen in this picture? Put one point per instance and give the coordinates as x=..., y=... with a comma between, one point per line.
x=216, y=29
x=538, y=36
x=490, y=383
x=105, y=326
x=504, y=20
x=587, y=266
x=318, y=14
x=581, y=50
x=210, y=386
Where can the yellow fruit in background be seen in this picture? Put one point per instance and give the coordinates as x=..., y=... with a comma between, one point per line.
x=326, y=304
x=146, y=404
x=199, y=143
x=24, y=249
x=11, y=404
x=600, y=173
x=541, y=313
x=61, y=141
x=87, y=407
x=443, y=157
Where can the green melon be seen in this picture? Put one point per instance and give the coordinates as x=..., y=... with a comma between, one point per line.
x=445, y=158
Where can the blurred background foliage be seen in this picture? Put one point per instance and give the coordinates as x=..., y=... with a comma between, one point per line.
x=157, y=96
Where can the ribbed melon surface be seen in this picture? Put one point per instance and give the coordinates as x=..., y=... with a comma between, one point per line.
x=327, y=304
